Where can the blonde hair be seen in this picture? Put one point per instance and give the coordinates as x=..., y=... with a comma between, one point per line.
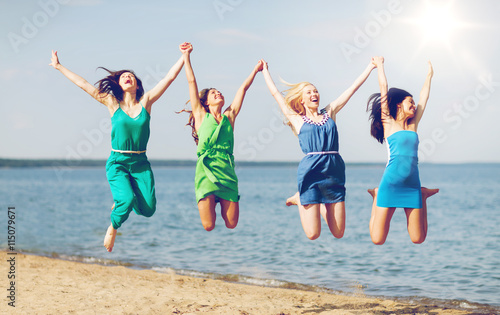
x=293, y=96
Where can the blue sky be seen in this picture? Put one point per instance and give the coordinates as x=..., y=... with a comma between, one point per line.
x=328, y=43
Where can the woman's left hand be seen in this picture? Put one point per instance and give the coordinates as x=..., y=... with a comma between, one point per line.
x=431, y=70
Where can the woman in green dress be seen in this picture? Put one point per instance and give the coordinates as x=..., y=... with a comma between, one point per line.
x=215, y=178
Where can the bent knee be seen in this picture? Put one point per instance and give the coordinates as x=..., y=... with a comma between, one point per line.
x=208, y=228
x=418, y=239
x=208, y=225
x=231, y=224
x=339, y=234
x=148, y=212
x=378, y=240
x=312, y=235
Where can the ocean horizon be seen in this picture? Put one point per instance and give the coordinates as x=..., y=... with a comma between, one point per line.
x=56, y=162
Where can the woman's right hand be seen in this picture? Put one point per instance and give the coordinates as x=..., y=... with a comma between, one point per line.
x=378, y=61
x=186, y=48
x=264, y=65
x=54, y=60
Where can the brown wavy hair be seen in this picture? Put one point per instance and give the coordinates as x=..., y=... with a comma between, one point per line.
x=394, y=97
x=110, y=84
x=203, y=95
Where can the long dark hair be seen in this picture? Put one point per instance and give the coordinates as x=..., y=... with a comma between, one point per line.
x=111, y=85
x=394, y=97
x=203, y=95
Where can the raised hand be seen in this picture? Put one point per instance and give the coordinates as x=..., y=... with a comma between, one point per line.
x=54, y=60
x=378, y=61
x=431, y=70
x=260, y=65
x=186, y=48
x=264, y=65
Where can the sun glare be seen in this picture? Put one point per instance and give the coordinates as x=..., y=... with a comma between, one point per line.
x=437, y=22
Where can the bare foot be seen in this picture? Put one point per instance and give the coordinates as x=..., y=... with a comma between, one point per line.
x=294, y=200
x=373, y=192
x=109, y=239
x=426, y=192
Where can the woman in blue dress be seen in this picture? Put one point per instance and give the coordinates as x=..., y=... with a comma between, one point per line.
x=321, y=173
x=394, y=119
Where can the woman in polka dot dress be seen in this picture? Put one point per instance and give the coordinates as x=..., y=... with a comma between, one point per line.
x=321, y=173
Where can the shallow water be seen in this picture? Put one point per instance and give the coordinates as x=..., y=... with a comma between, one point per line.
x=66, y=214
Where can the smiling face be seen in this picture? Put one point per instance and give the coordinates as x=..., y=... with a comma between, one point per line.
x=128, y=82
x=407, y=107
x=215, y=97
x=310, y=97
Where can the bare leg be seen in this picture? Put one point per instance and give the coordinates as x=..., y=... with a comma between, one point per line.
x=380, y=220
x=206, y=206
x=109, y=239
x=230, y=211
x=417, y=218
x=310, y=218
x=334, y=215
x=294, y=200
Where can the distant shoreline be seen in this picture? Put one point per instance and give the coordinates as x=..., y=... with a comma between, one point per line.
x=64, y=163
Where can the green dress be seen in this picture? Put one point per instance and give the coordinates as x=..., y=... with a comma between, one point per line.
x=215, y=173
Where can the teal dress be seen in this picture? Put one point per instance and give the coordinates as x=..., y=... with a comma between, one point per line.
x=215, y=174
x=129, y=174
x=400, y=184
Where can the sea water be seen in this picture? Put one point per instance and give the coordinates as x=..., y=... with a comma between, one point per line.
x=65, y=213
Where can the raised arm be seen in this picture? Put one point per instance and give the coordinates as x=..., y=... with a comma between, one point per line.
x=196, y=107
x=292, y=117
x=382, y=82
x=424, y=96
x=335, y=106
x=155, y=93
x=106, y=99
x=234, y=109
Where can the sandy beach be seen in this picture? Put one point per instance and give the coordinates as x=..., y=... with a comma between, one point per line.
x=53, y=286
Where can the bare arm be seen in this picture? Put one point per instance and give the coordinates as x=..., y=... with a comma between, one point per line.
x=106, y=99
x=335, y=106
x=424, y=96
x=235, y=107
x=196, y=107
x=155, y=93
x=382, y=82
x=294, y=119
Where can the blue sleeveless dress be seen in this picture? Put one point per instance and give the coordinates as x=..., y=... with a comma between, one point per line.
x=400, y=184
x=321, y=173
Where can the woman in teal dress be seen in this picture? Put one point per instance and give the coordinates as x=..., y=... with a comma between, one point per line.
x=395, y=119
x=212, y=130
x=127, y=169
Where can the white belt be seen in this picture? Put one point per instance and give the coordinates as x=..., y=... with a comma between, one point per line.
x=131, y=152
x=323, y=152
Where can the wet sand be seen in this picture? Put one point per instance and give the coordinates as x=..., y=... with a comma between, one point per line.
x=53, y=286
